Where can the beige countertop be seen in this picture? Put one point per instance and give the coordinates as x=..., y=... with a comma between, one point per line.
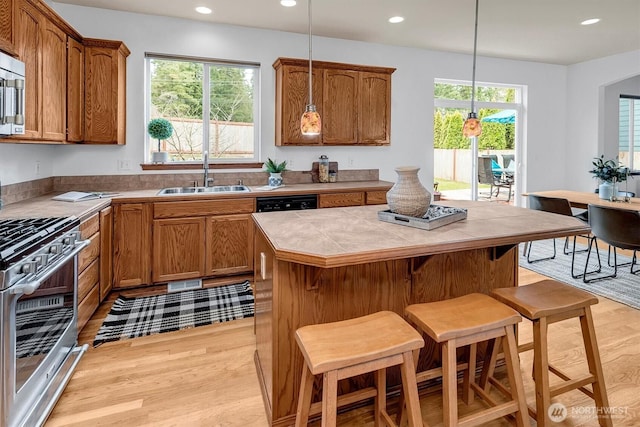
x=345, y=236
x=44, y=205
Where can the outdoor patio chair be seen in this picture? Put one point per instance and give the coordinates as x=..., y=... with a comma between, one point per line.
x=620, y=228
x=561, y=207
x=487, y=176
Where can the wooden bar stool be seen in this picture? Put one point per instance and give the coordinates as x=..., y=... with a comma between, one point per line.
x=544, y=303
x=352, y=347
x=466, y=321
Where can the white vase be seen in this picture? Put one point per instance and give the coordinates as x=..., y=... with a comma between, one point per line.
x=160, y=157
x=408, y=196
x=275, y=179
x=607, y=190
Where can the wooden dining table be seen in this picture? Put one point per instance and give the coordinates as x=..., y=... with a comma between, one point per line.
x=579, y=199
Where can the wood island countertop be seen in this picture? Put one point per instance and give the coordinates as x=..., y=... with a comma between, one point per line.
x=354, y=235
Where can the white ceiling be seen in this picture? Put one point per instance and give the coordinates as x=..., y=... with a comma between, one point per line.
x=536, y=30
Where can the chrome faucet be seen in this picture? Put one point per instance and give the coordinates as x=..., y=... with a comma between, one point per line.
x=206, y=180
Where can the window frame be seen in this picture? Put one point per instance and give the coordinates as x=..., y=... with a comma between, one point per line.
x=634, y=103
x=227, y=163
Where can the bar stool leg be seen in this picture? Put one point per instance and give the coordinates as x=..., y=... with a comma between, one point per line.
x=449, y=383
x=304, y=397
x=541, y=371
x=469, y=374
x=409, y=385
x=595, y=367
x=329, y=398
x=515, y=379
x=381, y=397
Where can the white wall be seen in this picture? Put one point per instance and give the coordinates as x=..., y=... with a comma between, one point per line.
x=412, y=97
x=586, y=134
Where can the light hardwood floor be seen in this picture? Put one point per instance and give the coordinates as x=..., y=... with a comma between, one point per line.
x=206, y=377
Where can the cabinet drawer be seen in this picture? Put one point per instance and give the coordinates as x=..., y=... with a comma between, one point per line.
x=88, y=279
x=88, y=254
x=202, y=208
x=90, y=227
x=87, y=307
x=376, y=197
x=340, y=200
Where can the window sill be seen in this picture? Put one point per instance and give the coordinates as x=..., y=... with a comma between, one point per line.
x=198, y=165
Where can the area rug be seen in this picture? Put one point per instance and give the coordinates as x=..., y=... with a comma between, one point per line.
x=137, y=317
x=625, y=288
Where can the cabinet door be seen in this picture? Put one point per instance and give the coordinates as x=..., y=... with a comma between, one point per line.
x=106, y=250
x=178, y=249
x=105, y=91
x=54, y=83
x=375, y=107
x=6, y=27
x=75, y=91
x=340, y=107
x=229, y=244
x=292, y=97
x=132, y=244
x=28, y=44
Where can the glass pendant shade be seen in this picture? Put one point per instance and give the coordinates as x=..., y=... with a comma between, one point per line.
x=310, y=123
x=472, y=126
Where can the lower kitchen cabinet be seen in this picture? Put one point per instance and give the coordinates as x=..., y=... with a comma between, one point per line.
x=91, y=263
x=229, y=244
x=106, y=252
x=132, y=224
x=336, y=200
x=178, y=249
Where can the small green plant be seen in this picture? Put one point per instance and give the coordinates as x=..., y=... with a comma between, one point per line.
x=275, y=167
x=607, y=170
x=160, y=129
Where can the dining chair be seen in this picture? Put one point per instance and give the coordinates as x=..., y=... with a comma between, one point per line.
x=620, y=228
x=558, y=206
x=487, y=176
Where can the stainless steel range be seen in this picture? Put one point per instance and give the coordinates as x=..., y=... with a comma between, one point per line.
x=38, y=310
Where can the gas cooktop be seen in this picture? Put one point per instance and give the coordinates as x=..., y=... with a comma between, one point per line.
x=19, y=237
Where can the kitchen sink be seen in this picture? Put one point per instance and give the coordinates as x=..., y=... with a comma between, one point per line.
x=204, y=190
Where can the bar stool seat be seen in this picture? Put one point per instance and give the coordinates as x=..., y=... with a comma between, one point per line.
x=544, y=303
x=466, y=321
x=352, y=347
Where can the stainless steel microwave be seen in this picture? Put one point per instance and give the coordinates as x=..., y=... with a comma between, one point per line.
x=11, y=96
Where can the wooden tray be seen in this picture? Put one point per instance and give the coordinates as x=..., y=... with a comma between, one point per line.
x=436, y=216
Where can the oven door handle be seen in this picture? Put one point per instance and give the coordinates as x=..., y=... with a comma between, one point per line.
x=27, y=288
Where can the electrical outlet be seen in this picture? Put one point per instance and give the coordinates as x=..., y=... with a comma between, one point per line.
x=289, y=164
x=124, y=165
x=37, y=168
x=350, y=161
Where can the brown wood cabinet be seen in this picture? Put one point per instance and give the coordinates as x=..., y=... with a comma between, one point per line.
x=132, y=224
x=354, y=102
x=54, y=83
x=229, y=244
x=106, y=252
x=202, y=238
x=91, y=263
x=105, y=91
x=336, y=200
x=75, y=90
x=6, y=27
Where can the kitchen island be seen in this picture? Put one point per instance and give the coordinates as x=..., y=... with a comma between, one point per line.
x=325, y=265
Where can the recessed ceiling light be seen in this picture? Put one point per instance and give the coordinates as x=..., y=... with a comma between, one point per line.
x=203, y=10
x=590, y=21
x=288, y=3
x=396, y=19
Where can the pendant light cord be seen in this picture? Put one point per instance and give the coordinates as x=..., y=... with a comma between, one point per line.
x=473, y=74
x=310, y=90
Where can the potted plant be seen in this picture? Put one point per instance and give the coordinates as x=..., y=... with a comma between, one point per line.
x=160, y=129
x=609, y=172
x=275, y=170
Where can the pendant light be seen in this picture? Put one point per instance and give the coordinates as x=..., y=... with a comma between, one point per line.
x=472, y=125
x=310, y=123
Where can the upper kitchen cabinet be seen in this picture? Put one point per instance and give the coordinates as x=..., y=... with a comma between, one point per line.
x=105, y=91
x=6, y=27
x=354, y=102
x=40, y=40
x=75, y=90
